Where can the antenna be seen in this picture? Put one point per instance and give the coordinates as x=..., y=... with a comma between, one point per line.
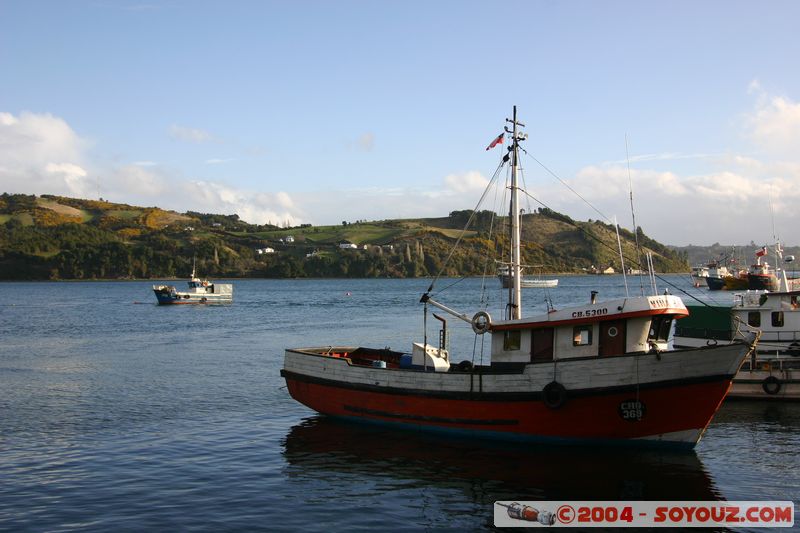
x=621, y=257
x=633, y=215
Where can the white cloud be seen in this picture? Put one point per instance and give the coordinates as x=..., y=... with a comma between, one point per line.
x=774, y=125
x=192, y=135
x=257, y=208
x=73, y=176
x=729, y=205
x=470, y=181
x=40, y=153
x=133, y=181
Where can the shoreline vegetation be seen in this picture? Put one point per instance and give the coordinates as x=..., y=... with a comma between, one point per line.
x=58, y=238
x=306, y=278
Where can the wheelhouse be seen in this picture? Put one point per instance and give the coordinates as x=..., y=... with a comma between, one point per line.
x=598, y=330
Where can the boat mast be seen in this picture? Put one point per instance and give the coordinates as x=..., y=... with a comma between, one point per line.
x=515, y=289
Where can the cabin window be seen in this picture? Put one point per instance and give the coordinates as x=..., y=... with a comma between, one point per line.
x=660, y=328
x=754, y=319
x=511, y=340
x=582, y=335
x=777, y=319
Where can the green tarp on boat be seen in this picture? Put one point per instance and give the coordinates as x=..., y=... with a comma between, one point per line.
x=706, y=322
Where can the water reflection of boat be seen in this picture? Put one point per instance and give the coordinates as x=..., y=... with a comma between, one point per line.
x=320, y=446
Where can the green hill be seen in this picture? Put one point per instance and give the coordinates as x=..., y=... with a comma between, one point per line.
x=53, y=237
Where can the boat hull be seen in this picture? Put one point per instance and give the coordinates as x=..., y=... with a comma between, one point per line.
x=773, y=377
x=767, y=282
x=602, y=406
x=735, y=283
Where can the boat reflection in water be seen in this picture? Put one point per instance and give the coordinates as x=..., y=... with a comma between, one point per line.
x=328, y=454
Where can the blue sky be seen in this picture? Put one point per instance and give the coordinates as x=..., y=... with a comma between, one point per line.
x=323, y=111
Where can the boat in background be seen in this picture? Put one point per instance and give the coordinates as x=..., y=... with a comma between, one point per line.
x=725, y=274
x=201, y=291
x=716, y=276
x=599, y=373
x=773, y=370
x=760, y=276
x=737, y=282
x=699, y=275
x=527, y=282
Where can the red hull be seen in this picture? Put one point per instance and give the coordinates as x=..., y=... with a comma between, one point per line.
x=670, y=409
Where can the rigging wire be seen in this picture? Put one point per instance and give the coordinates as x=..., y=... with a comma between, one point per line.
x=633, y=213
x=611, y=248
x=587, y=202
x=637, y=262
x=548, y=297
x=466, y=226
x=484, y=301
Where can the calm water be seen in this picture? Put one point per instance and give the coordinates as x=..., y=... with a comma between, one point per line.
x=119, y=414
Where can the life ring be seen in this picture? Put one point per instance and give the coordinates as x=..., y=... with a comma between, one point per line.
x=481, y=322
x=771, y=385
x=554, y=395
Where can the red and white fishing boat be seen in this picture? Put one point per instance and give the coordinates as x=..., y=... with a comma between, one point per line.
x=598, y=373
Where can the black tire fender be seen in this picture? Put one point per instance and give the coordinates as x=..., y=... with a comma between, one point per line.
x=771, y=385
x=554, y=395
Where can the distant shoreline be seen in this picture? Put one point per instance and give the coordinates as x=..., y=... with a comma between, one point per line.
x=228, y=278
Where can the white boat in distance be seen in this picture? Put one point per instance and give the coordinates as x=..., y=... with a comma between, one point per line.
x=526, y=283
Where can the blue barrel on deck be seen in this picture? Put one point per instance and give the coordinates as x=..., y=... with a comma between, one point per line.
x=405, y=360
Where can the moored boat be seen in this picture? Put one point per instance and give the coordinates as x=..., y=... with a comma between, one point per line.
x=716, y=276
x=699, y=274
x=598, y=373
x=201, y=291
x=527, y=282
x=760, y=276
x=773, y=370
x=735, y=282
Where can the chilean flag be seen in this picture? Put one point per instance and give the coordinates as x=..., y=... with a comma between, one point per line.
x=495, y=142
x=762, y=252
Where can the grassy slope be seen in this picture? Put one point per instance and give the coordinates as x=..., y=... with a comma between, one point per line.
x=548, y=241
